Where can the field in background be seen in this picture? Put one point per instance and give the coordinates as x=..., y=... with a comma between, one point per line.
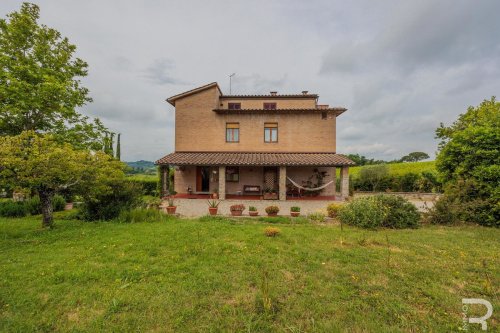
x=399, y=169
x=212, y=275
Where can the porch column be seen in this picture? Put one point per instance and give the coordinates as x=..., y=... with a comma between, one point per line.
x=164, y=180
x=282, y=183
x=222, y=182
x=334, y=178
x=344, y=182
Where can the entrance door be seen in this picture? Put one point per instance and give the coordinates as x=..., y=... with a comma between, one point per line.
x=202, y=179
x=270, y=178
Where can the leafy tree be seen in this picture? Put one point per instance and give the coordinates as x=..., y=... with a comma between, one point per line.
x=40, y=82
x=374, y=175
x=43, y=165
x=469, y=155
x=415, y=157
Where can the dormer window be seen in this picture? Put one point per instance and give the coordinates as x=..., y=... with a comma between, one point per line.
x=269, y=106
x=234, y=106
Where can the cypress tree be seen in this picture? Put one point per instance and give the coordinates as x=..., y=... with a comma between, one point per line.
x=118, y=148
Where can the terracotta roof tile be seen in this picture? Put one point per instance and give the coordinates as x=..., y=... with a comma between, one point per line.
x=255, y=159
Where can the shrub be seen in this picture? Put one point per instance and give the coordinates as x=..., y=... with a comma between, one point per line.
x=148, y=185
x=237, y=208
x=58, y=203
x=333, y=209
x=465, y=201
x=252, y=209
x=138, y=215
x=409, y=182
x=380, y=211
x=272, y=209
x=400, y=212
x=271, y=231
x=13, y=209
x=34, y=205
x=316, y=217
x=295, y=209
x=107, y=205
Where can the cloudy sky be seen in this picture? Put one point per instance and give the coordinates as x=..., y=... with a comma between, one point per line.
x=400, y=67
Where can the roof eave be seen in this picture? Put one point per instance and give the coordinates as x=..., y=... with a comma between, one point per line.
x=172, y=99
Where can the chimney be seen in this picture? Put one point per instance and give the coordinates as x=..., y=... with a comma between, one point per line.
x=274, y=93
x=304, y=92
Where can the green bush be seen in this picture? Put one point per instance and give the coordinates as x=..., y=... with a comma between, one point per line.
x=149, y=185
x=34, y=205
x=333, y=209
x=123, y=195
x=465, y=201
x=13, y=209
x=380, y=211
x=138, y=215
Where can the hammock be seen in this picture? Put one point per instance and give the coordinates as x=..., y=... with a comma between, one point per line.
x=309, y=188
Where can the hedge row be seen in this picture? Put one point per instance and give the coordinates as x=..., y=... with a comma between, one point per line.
x=409, y=182
x=31, y=206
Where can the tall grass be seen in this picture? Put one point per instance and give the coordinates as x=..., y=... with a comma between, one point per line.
x=139, y=215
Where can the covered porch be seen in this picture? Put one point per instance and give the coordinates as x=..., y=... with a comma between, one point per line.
x=257, y=176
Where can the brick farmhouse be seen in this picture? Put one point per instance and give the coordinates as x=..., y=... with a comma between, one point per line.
x=275, y=146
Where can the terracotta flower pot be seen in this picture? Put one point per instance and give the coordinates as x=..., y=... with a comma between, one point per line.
x=236, y=212
x=68, y=206
x=171, y=210
x=252, y=213
x=295, y=214
x=213, y=210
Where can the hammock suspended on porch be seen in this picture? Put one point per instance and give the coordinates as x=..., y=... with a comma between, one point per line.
x=309, y=188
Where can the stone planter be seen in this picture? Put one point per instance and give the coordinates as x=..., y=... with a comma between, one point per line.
x=253, y=213
x=171, y=210
x=295, y=214
x=68, y=206
x=236, y=212
x=213, y=210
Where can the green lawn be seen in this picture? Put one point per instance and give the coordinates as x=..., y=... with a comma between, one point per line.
x=211, y=276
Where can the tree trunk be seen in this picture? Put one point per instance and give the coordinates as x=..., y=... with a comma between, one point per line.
x=46, y=197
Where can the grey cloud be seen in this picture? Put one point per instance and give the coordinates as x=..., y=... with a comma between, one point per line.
x=256, y=83
x=160, y=72
x=400, y=67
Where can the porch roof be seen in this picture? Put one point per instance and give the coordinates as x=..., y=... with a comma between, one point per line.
x=255, y=159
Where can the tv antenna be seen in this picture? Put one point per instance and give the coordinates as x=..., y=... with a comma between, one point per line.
x=230, y=82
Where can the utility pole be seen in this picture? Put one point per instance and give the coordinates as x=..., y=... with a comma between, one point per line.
x=230, y=83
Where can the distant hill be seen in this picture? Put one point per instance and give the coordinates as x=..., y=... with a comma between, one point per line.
x=144, y=167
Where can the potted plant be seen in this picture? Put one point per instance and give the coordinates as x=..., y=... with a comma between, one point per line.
x=171, y=207
x=215, y=193
x=213, y=206
x=270, y=194
x=252, y=211
x=237, y=210
x=272, y=210
x=295, y=211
